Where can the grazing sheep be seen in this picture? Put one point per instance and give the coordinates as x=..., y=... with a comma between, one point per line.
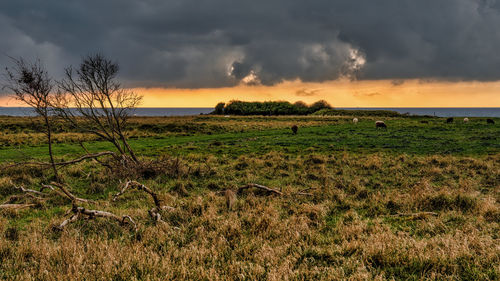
x=294, y=129
x=355, y=120
x=380, y=124
x=490, y=121
x=466, y=120
x=449, y=120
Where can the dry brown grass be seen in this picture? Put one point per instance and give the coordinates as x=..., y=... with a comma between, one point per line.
x=349, y=229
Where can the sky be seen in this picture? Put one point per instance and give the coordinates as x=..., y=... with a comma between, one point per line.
x=195, y=53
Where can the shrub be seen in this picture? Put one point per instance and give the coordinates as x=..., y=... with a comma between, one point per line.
x=269, y=108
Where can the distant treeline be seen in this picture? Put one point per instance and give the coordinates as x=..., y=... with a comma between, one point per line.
x=269, y=108
x=358, y=113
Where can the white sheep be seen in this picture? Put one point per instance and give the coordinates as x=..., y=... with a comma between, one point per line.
x=466, y=120
x=355, y=120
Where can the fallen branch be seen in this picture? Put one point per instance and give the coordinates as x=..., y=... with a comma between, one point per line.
x=15, y=198
x=32, y=195
x=80, y=159
x=138, y=186
x=16, y=206
x=27, y=190
x=64, y=193
x=154, y=212
x=303, y=193
x=419, y=215
x=88, y=156
x=262, y=187
x=73, y=218
x=79, y=211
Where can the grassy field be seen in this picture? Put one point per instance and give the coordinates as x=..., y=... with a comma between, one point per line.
x=415, y=201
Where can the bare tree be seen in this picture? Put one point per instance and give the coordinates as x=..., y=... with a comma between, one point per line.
x=31, y=84
x=92, y=100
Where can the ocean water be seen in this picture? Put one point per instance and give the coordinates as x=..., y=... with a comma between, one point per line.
x=143, y=111
x=441, y=111
x=432, y=111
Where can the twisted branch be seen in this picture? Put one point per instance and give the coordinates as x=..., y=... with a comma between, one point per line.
x=79, y=211
x=154, y=212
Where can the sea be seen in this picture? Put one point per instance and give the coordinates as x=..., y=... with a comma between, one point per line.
x=177, y=111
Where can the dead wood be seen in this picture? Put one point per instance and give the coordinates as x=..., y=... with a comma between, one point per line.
x=138, y=186
x=78, y=212
x=16, y=206
x=262, y=187
x=65, y=163
x=27, y=190
x=73, y=218
x=155, y=212
x=87, y=156
x=28, y=198
x=303, y=193
x=419, y=215
x=64, y=193
x=16, y=198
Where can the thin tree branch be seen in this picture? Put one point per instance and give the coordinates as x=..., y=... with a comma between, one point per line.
x=262, y=187
x=80, y=159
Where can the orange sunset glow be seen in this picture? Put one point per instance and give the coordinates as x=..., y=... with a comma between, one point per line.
x=339, y=93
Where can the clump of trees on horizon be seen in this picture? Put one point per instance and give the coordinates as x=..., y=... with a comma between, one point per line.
x=236, y=107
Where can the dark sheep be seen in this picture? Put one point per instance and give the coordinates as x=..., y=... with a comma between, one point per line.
x=490, y=121
x=294, y=129
x=380, y=124
x=449, y=120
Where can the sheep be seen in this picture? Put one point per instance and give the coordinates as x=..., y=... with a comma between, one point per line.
x=424, y=122
x=355, y=120
x=490, y=121
x=449, y=120
x=380, y=124
x=294, y=129
x=466, y=120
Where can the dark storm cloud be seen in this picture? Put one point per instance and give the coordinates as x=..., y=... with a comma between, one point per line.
x=201, y=43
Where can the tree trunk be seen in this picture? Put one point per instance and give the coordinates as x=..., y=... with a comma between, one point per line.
x=49, y=137
x=131, y=152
